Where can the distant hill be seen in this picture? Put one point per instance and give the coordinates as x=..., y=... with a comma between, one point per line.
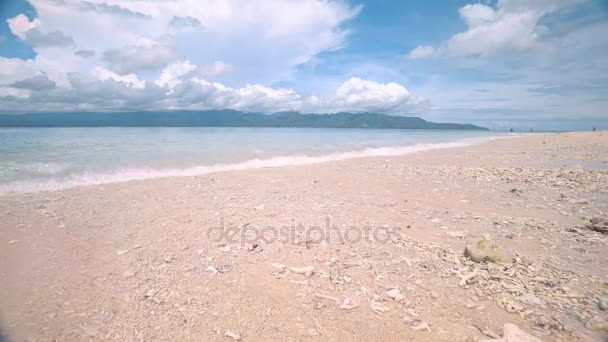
x=223, y=118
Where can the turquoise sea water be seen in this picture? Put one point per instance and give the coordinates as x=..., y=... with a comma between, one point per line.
x=33, y=159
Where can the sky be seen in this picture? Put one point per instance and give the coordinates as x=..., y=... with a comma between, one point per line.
x=539, y=64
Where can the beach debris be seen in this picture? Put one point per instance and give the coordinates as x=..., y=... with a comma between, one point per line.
x=235, y=336
x=456, y=234
x=347, y=304
x=464, y=279
x=486, y=331
x=508, y=304
x=13, y=241
x=122, y=252
x=307, y=271
x=254, y=248
x=421, y=325
x=512, y=333
x=260, y=207
x=377, y=306
x=599, y=225
x=347, y=278
x=225, y=248
x=224, y=268
x=395, y=294
x=327, y=297
x=212, y=269
x=603, y=304
x=484, y=250
x=168, y=258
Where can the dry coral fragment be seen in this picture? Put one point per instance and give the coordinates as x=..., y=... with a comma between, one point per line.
x=513, y=333
x=307, y=271
x=377, y=306
x=421, y=326
x=233, y=335
x=464, y=279
x=347, y=304
x=327, y=297
x=395, y=294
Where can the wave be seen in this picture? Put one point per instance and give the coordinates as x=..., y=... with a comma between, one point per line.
x=125, y=175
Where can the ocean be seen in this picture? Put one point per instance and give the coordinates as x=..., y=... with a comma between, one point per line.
x=36, y=159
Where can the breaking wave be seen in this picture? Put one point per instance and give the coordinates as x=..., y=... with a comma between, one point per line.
x=124, y=175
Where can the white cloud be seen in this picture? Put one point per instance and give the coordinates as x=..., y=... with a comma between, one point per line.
x=358, y=95
x=173, y=74
x=176, y=89
x=422, y=51
x=21, y=24
x=263, y=39
x=130, y=79
x=15, y=69
x=513, y=25
x=145, y=54
x=29, y=31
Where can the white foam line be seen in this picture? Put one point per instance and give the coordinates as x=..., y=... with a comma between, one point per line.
x=279, y=161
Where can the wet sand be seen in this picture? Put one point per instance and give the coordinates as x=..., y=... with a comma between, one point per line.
x=361, y=249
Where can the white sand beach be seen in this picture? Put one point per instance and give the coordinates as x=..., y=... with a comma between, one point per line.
x=247, y=255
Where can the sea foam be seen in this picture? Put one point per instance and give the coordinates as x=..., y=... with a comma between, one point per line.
x=125, y=175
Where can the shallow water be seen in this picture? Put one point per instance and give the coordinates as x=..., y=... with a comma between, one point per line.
x=34, y=159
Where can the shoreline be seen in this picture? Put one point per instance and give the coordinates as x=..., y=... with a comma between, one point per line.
x=140, y=261
x=138, y=174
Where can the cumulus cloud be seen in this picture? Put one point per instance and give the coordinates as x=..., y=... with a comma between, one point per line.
x=179, y=87
x=29, y=31
x=514, y=24
x=39, y=82
x=143, y=55
x=264, y=39
x=358, y=95
x=421, y=51
x=103, y=74
x=174, y=73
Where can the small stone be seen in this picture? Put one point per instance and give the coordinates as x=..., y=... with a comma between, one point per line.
x=395, y=294
x=603, y=304
x=124, y=251
x=168, y=258
x=483, y=250
x=224, y=268
x=225, y=249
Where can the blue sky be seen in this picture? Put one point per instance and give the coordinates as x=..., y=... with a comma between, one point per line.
x=501, y=64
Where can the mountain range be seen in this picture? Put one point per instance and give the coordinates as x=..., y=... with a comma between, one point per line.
x=223, y=118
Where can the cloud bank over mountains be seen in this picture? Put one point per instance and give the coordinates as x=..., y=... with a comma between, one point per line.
x=495, y=63
x=138, y=55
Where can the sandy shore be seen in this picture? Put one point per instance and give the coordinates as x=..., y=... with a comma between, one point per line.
x=248, y=254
